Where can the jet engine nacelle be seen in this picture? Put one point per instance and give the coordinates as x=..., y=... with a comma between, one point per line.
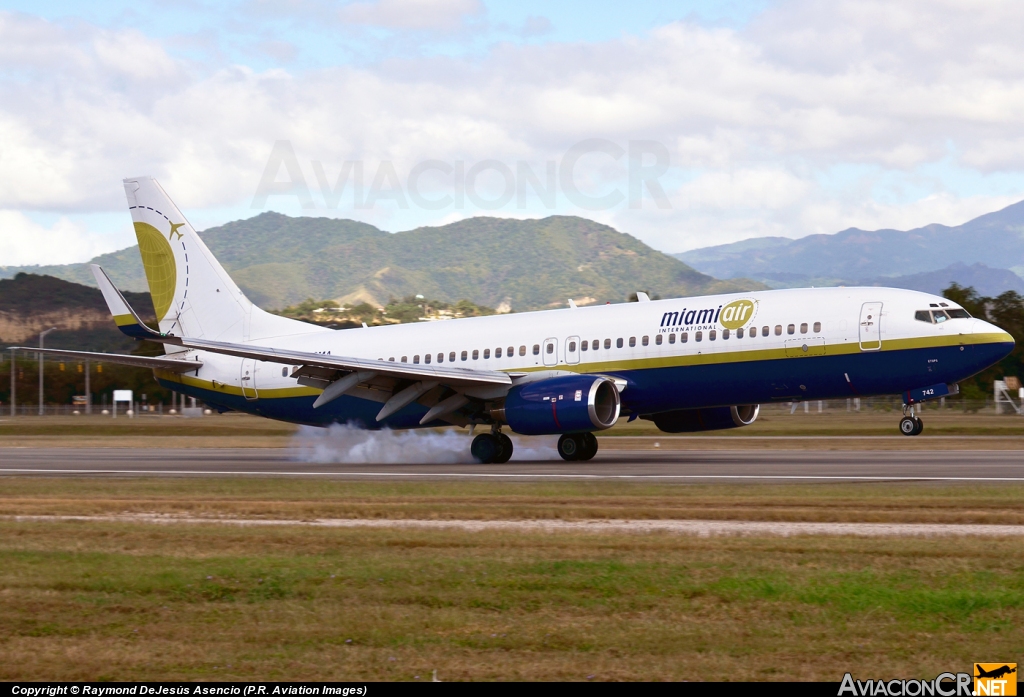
x=708, y=419
x=567, y=404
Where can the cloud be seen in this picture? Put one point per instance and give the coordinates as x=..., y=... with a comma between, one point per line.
x=758, y=120
x=28, y=243
x=411, y=14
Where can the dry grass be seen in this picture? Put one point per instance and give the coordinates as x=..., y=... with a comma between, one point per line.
x=119, y=602
x=305, y=499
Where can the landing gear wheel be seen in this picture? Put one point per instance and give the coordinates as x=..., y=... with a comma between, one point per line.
x=569, y=447
x=486, y=448
x=920, y=426
x=506, y=449
x=589, y=448
x=910, y=426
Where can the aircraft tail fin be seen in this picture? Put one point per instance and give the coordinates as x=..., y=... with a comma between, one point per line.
x=192, y=293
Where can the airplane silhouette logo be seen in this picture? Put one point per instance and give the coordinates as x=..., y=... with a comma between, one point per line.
x=995, y=673
x=174, y=230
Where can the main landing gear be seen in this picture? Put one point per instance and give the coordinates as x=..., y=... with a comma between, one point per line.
x=492, y=448
x=577, y=446
x=910, y=425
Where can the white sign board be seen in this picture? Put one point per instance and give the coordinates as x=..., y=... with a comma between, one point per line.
x=123, y=396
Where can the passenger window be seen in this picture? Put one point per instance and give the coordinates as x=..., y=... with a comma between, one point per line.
x=778, y=330
x=476, y=355
x=940, y=316
x=958, y=314
x=392, y=359
x=550, y=348
x=683, y=337
x=725, y=334
x=618, y=343
x=465, y=355
x=487, y=353
x=584, y=345
x=698, y=336
x=536, y=349
x=739, y=333
x=405, y=359
x=712, y=335
x=440, y=358
x=657, y=339
x=764, y=331
x=426, y=358
x=511, y=352
x=572, y=347
x=522, y=350
x=791, y=329
x=451, y=357
x=671, y=338
x=645, y=341
x=817, y=327
x=595, y=344
x=607, y=343
x=803, y=328
x=284, y=372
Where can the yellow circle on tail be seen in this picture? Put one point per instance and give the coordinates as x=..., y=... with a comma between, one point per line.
x=161, y=271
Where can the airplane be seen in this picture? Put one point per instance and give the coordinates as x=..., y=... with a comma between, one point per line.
x=687, y=364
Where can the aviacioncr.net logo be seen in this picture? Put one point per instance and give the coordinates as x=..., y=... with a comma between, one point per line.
x=737, y=313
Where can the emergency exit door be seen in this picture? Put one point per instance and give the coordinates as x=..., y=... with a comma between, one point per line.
x=248, y=379
x=871, y=326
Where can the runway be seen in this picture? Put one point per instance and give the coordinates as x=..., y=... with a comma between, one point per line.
x=665, y=466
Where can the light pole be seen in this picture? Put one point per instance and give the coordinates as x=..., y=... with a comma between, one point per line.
x=42, y=335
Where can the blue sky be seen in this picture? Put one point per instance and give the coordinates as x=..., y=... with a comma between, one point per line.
x=788, y=117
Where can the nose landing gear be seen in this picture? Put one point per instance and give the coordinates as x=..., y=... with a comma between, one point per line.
x=492, y=448
x=910, y=425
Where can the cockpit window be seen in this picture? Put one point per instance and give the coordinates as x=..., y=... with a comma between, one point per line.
x=940, y=316
x=958, y=314
x=923, y=316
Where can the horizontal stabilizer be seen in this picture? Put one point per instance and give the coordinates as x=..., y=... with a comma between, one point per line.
x=174, y=365
x=124, y=316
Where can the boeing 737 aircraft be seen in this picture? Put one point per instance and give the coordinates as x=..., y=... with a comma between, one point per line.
x=688, y=364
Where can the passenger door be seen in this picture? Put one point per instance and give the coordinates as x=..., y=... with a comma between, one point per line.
x=550, y=352
x=871, y=326
x=572, y=350
x=248, y=379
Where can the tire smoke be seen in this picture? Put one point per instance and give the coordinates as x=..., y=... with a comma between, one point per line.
x=347, y=443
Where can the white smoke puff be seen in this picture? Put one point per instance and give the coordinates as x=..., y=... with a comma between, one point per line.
x=346, y=443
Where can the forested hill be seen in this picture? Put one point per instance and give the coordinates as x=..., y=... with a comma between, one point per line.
x=30, y=303
x=279, y=260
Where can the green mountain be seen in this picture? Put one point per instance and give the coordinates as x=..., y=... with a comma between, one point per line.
x=527, y=264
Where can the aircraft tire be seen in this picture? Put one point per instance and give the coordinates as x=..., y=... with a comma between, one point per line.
x=589, y=448
x=569, y=447
x=908, y=426
x=506, y=449
x=920, y=426
x=485, y=448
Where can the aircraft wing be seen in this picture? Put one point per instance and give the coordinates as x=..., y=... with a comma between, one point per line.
x=410, y=371
x=175, y=365
x=129, y=322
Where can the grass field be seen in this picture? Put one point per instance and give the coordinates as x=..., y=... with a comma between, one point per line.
x=132, y=601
